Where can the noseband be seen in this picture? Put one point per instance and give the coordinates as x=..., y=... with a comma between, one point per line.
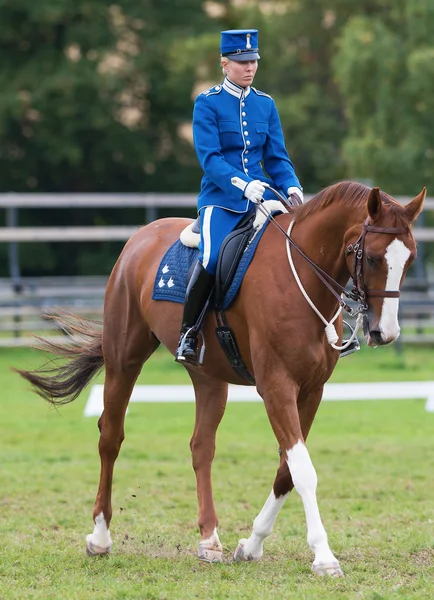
x=359, y=290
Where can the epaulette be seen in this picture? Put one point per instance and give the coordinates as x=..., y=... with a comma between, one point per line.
x=260, y=93
x=214, y=90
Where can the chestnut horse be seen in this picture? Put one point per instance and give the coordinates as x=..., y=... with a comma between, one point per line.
x=281, y=340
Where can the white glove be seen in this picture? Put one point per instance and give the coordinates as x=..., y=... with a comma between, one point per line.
x=295, y=191
x=254, y=191
x=270, y=206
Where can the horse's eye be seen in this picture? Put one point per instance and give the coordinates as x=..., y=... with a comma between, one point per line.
x=372, y=261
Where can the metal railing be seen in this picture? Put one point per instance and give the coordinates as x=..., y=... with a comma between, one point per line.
x=150, y=202
x=28, y=299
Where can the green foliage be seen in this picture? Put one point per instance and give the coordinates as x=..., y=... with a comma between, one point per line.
x=97, y=97
x=88, y=100
x=384, y=68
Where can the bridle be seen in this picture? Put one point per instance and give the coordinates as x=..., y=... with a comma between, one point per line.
x=360, y=292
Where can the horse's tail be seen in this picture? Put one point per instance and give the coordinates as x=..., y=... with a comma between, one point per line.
x=60, y=384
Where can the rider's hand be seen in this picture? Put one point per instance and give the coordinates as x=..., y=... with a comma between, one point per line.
x=295, y=191
x=268, y=207
x=254, y=191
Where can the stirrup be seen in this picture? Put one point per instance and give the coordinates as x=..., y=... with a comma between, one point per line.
x=179, y=357
x=353, y=347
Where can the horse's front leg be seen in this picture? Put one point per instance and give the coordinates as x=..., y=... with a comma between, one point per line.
x=305, y=482
x=211, y=397
x=291, y=426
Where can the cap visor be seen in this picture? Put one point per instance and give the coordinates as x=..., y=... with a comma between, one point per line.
x=243, y=56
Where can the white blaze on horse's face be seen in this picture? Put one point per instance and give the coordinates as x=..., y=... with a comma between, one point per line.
x=396, y=256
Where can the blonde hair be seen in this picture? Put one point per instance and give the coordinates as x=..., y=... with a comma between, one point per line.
x=224, y=60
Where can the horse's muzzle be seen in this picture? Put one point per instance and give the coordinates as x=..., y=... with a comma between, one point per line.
x=375, y=336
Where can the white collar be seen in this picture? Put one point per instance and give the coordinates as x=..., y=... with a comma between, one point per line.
x=235, y=90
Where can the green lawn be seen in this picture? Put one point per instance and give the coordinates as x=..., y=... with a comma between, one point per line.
x=376, y=494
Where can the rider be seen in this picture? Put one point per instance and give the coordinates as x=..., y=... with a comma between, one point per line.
x=237, y=136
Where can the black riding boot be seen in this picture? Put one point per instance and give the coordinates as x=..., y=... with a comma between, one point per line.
x=199, y=289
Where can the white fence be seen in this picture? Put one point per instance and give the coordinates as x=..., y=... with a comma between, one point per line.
x=396, y=390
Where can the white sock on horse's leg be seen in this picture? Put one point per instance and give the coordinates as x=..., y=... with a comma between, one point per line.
x=252, y=548
x=210, y=549
x=305, y=482
x=99, y=542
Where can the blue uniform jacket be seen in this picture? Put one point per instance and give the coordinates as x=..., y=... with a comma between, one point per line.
x=234, y=131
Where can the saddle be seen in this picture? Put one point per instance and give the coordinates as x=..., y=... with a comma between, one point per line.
x=230, y=255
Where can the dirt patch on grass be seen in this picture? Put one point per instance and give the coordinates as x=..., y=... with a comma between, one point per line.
x=423, y=557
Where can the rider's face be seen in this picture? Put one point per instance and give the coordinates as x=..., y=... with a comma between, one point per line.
x=242, y=72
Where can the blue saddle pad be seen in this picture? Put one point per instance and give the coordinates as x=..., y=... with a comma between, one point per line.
x=171, y=280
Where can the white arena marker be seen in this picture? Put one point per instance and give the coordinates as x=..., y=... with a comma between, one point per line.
x=396, y=390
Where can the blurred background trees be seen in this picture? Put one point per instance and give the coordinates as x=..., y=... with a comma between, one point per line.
x=385, y=71
x=97, y=97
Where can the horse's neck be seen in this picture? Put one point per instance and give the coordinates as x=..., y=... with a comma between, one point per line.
x=323, y=233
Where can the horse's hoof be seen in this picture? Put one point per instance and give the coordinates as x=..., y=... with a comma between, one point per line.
x=211, y=556
x=331, y=569
x=210, y=549
x=241, y=555
x=94, y=550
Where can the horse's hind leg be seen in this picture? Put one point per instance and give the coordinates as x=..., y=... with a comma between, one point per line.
x=305, y=479
x=124, y=361
x=211, y=396
x=251, y=549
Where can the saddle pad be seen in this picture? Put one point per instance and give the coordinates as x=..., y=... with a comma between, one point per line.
x=171, y=280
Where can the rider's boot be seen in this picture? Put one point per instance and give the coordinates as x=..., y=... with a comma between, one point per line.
x=199, y=290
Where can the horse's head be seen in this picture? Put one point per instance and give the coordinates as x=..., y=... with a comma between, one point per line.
x=379, y=260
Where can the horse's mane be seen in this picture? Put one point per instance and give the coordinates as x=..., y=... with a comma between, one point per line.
x=351, y=193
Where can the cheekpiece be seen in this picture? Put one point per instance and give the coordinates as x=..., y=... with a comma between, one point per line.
x=240, y=44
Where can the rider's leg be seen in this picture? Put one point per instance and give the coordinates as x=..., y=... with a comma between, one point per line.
x=199, y=289
x=215, y=224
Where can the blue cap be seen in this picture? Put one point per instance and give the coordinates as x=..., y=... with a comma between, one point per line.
x=240, y=44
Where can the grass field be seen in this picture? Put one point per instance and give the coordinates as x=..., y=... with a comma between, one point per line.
x=375, y=463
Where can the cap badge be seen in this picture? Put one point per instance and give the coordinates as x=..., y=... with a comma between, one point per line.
x=248, y=44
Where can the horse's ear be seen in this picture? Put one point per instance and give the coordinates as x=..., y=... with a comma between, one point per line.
x=414, y=207
x=375, y=204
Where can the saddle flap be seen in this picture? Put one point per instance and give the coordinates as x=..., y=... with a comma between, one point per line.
x=230, y=255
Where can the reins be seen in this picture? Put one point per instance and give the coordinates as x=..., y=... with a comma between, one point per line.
x=359, y=293
x=322, y=275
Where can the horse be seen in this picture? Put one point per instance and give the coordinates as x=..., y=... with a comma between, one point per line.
x=346, y=230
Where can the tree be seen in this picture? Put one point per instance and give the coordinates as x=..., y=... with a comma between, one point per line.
x=385, y=71
x=88, y=97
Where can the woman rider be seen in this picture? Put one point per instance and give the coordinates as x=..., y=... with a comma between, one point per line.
x=239, y=142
